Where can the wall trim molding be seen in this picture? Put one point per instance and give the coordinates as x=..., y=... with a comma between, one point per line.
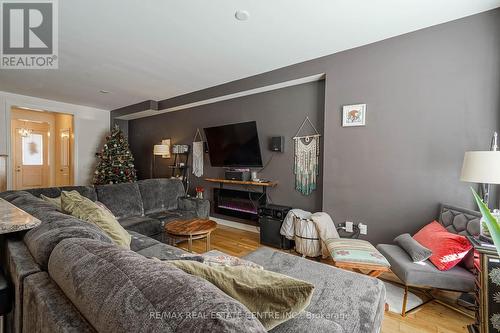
x=236, y=225
x=285, y=84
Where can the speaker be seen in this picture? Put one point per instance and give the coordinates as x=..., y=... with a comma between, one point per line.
x=205, y=147
x=270, y=220
x=241, y=175
x=277, y=144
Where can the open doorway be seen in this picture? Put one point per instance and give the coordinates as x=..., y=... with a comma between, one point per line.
x=42, y=148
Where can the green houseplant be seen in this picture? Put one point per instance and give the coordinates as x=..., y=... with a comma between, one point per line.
x=491, y=221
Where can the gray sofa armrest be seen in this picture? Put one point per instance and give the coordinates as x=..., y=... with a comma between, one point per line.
x=200, y=206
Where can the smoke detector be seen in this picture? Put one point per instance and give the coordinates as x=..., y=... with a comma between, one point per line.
x=242, y=15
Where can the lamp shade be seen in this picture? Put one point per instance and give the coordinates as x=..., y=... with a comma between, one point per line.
x=481, y=167
x=163, y=149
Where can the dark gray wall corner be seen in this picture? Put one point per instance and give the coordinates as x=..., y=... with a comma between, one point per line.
x=431, y=95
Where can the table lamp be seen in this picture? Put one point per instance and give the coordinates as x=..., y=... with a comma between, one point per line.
x=482, y=167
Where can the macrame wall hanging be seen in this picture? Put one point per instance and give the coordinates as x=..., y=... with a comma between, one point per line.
x=306, y=166
x=198, y=154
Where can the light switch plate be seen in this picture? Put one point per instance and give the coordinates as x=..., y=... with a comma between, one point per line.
x=363, y=228
x=348, y=226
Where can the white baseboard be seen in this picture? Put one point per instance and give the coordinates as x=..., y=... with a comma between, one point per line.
x=236, y=225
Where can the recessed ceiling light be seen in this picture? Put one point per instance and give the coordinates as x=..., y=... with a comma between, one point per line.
x=242, y=15
x=104, y=91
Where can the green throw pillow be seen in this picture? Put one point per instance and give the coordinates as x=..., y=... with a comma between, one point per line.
x=273, y=298
x=85, y=209
x=53, y=201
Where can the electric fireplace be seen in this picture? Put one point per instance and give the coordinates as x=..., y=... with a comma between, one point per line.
x=240, y=204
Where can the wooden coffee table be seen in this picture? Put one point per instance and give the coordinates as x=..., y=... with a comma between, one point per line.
x=191, y=229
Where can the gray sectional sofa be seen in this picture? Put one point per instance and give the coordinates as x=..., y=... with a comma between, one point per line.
x=68, y=276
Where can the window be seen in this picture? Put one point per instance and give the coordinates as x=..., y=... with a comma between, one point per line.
x=32, y=147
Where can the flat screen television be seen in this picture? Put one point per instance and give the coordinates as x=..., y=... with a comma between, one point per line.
x=235, y=145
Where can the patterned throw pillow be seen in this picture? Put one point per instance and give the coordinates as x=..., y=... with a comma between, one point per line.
x=348, y=250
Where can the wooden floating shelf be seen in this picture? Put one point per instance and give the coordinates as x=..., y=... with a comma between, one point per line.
x=240, y=182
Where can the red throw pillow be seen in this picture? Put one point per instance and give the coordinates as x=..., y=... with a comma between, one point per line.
x=447, y=248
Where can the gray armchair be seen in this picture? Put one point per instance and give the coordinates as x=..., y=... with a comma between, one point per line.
x=425, y=275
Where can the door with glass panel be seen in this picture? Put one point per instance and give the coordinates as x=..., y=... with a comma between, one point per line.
x=63, y=158
x=30, y=154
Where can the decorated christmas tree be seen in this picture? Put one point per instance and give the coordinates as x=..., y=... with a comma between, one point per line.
x=116, y=163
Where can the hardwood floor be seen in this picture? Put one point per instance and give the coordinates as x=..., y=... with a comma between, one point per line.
x=431, y=318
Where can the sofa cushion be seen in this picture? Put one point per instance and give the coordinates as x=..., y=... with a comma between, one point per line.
x=18, y=265
x=29, y=203
x=142, y=224
x=53, y=201
x=118, y=290
x=47, y=309
x=348, y=250
x=173, y=215
x=359, y=309
x=123, y=200
x=160, y=194
x=51, y=192
x=140, y=242
x=425, y=274
x=200, y=206
x=42, y=239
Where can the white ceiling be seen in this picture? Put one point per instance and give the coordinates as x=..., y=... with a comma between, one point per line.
x=157, y=49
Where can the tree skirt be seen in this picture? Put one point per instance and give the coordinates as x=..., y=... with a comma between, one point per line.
x=395, y=295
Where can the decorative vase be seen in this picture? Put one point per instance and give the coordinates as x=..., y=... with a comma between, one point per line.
x=199, y=192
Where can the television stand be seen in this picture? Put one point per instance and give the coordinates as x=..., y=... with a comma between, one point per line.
x=263, y=184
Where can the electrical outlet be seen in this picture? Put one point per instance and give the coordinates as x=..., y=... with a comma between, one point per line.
x=348, y=226
x=363, y=228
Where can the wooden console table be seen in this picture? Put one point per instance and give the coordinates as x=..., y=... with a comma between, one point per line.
x=221, y=183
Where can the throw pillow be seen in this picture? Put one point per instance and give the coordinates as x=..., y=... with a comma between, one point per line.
x=448, y=249
x=103, y=206
x=75, y=204
x=273, y=298
x=415, y=250
x=53, y=201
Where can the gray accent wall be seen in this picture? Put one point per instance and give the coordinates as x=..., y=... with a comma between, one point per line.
x=431, y=95
x=277, y=113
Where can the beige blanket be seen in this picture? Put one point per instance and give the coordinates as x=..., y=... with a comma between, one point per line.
x=326, y=229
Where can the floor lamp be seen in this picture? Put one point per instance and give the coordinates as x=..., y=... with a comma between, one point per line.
x=162, y=150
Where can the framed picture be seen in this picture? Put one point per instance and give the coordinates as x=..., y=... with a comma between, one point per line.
x=354, y=115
